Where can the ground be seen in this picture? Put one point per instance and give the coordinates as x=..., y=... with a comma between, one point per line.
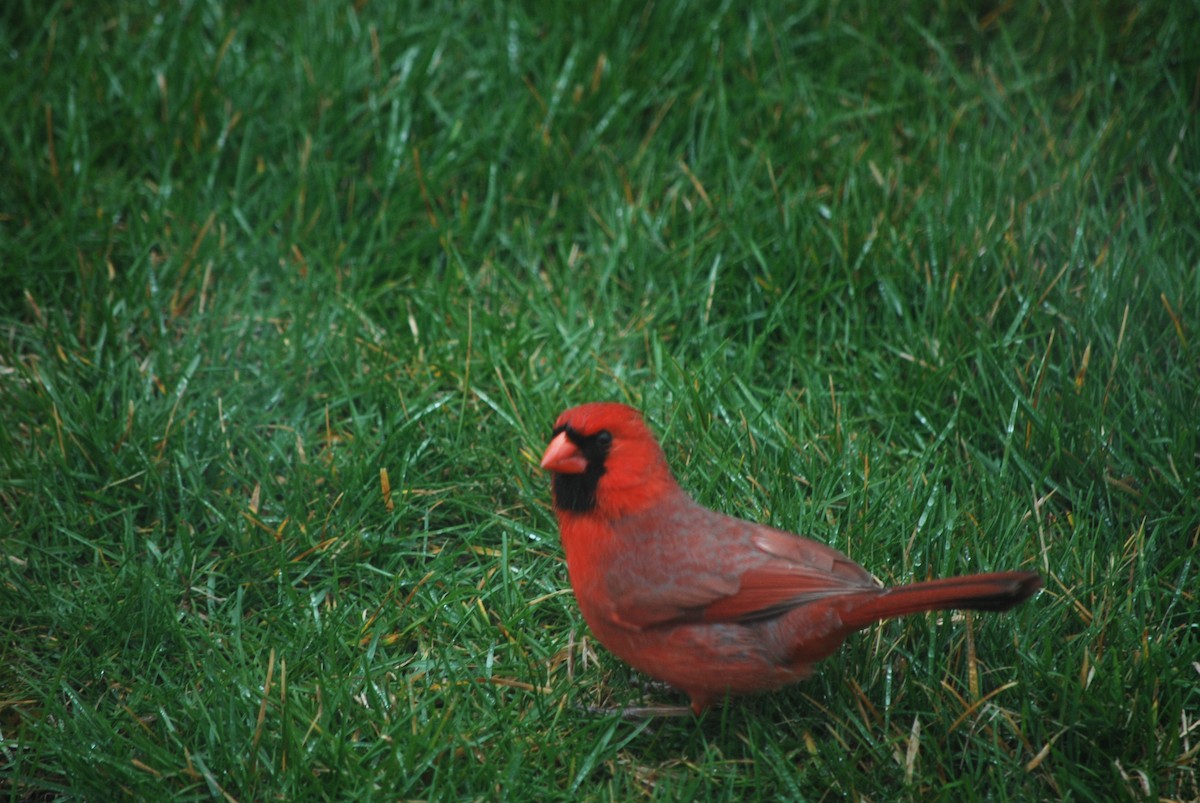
x=294, y=293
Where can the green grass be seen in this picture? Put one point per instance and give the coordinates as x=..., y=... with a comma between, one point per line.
x=922, y=283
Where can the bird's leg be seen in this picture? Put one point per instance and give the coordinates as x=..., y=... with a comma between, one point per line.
x=639, y=712
x=648, y=687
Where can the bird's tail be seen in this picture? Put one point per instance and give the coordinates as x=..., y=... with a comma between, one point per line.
x=977, y=592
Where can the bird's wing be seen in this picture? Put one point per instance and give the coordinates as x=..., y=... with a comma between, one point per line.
x=793, y=571
x=694, y=565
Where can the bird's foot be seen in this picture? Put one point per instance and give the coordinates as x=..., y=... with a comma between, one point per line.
x=640, y=712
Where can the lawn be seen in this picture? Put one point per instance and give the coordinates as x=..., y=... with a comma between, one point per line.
x=293, y=293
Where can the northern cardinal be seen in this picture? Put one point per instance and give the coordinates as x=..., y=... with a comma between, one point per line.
x=711, y=604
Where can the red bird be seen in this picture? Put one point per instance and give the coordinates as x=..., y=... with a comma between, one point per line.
x=710, y=604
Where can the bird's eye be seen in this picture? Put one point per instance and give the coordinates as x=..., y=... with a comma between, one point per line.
x=604, y=437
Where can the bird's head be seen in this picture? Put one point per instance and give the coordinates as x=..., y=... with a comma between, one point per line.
x=605, y=461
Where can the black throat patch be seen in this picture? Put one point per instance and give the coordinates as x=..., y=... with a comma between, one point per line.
x=576, y=493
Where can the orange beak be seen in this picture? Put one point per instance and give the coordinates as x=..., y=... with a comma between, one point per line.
x=564, y=457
